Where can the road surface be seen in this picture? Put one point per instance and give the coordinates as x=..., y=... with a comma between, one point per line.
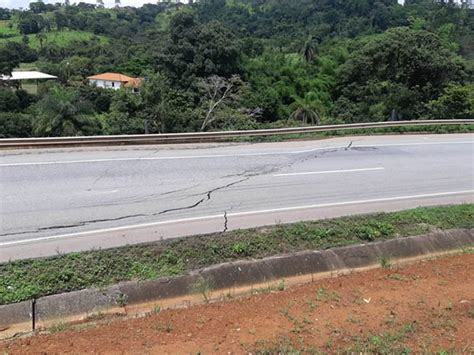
x=63, y=200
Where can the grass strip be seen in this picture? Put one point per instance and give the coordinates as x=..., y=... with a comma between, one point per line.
x=438, y=129
x=25, y=279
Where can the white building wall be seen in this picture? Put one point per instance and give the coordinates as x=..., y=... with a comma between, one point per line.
x=106, y=84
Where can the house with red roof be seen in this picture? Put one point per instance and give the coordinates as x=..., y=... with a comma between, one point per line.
x=114, y=81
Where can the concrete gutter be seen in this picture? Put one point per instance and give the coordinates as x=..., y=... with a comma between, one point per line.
x=215, y=282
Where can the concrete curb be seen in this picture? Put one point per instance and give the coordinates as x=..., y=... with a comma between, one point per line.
x=173, y=292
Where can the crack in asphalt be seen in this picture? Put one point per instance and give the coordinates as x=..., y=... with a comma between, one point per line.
x=248, y=174
x=208, y=196
x=80, y=224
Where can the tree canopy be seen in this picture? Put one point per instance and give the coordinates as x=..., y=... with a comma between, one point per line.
x=284, y=62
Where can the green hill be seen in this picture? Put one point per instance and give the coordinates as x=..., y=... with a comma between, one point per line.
x=61, y=39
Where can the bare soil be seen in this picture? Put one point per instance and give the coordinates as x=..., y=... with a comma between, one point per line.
x=427, y=306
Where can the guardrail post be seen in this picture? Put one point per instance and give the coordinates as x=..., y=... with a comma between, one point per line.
x=33, y=314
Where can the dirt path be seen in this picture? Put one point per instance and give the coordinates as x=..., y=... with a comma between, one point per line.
x=427, y=306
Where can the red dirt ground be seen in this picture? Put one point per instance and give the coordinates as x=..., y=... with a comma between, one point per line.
x=428, y=306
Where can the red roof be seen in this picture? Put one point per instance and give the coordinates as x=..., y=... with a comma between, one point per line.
x=112, y=77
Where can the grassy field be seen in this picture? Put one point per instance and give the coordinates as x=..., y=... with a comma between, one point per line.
x=62, y=39
x=6, y=31
x=22, y=280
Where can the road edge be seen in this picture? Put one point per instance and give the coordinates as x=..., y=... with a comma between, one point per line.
x=225, y=280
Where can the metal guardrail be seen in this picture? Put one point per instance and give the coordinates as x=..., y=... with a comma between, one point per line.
x=205, y=136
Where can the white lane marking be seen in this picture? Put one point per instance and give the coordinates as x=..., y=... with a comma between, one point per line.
x=330, y=172
x=165, y=158
x=212, y=156
x=237, y=214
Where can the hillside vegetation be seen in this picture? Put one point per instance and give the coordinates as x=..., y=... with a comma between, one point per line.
x=237, y=64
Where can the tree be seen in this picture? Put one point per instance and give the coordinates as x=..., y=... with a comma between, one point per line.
x=40, y=36
x=306, y=109
x=9, y=59
x=456, y=102
x=401, y=69
x=196, y=50
x=8, y=100
x=218, y=91
x=117, y=3
x=309, y=49
x=62, y=113
x=15, y=125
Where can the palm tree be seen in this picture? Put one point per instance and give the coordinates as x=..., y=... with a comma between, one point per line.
x=309, y=49
x=40, y=36
x=62, y=113
x=306, y=109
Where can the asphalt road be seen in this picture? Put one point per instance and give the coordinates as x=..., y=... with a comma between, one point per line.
x=81, y=198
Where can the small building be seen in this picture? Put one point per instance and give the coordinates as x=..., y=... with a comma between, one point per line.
x=27, y=80
x=114, y=81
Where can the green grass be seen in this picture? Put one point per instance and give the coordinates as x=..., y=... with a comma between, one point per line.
x=6, y=31
x=62, y=39
x=438, y=129
x=22, y=280
x=392, y=342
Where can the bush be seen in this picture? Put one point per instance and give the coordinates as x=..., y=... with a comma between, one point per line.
x=9, y=101
x=15, y=125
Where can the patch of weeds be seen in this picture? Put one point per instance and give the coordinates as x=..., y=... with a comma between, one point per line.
x=324, y=295
x=385, y=262
x=121, y=299
x=311, y=305
x=470, y=313
x=353, y=320
x=396, y=277
x=386, y=343
x=284, y=346
x=240, y=248
x=443, y=323
x=58, y=327
x=95, y=317
x=156, y=310
x=166, y=327
x=24, y=279
x=281, y=285
x=374, y=230
x=203, y=287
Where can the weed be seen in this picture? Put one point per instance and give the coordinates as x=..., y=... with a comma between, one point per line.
x=156, y=310
x=396, y=277
x=203, y=287
x=167, y=327
x=311, y=305
x=95, y=316
x=471, y=312
x=121, y=299
x=385, y=262
x=25, y=279
x=281, y=285
x=386, y=343
x=58, y=327
x=323, y=295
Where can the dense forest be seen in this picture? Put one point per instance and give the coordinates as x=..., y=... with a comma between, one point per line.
x=236, y=64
